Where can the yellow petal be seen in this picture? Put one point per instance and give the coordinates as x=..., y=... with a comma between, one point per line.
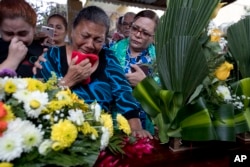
x=223, y=72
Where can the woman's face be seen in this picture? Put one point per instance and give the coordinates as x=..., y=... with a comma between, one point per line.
x=19, y=28
x=142, y=33
x=88, y=37
x=60, y=30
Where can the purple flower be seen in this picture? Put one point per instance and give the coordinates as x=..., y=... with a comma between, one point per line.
x=7, y=73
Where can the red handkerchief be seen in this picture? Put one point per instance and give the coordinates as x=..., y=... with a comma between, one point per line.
x=81, y=56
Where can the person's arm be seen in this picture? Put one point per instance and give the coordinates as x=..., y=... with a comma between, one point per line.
x=122, y=92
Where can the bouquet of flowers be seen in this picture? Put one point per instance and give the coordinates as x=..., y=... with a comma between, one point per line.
x=42, y=124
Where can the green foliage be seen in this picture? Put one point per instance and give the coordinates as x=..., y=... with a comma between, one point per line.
x=239, y=45
x=186, y=104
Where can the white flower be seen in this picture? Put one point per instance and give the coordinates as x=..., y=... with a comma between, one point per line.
x=20, y=83
x=224, y=92
x=32, y=137
x=10, y=147
x=45, y=147
x=96, y=108
x=21, y=95
x=35, y=103
x=104, y=138
x=76, y=116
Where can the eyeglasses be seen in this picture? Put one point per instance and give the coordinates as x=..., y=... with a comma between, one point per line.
x=135, y=29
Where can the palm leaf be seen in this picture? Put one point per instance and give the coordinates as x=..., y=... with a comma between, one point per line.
x=184, y=17
x=181, y=62
x=179, y=70
x=238, y=36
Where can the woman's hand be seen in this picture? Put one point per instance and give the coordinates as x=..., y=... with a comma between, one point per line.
x=78, y=72
x=137, y=76
x=40, y=59
x=137, y=130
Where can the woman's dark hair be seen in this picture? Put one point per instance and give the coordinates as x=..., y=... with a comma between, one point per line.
x=93, y=14
x=65, y=23
x=148, y=14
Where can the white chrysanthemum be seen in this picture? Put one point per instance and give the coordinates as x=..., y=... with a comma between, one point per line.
x=22, y=95
x=32, y=137
x=224, y=92
x=10, y=147
x=20, y=83
x=104, y=138
x=76, y=116
x=16, y=126
x=35, y=103
x=96, y=108
x=45, y=147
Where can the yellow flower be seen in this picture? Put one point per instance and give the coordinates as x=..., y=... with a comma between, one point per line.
x=123, y=124
x=6, y=164
x=107, y=122
x=216, y=10
x=65, y=97
x=87, y=129
x=215, y=35
x=35, y=84
x=64, y=132
x=10, y=87
x=223, y=72
x=55, y=105
x=10, y=115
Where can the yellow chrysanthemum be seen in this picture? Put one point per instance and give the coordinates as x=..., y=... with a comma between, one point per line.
x=216, y=35
x=65, y=96
x=10, y=87
x=10, y=115
x=64, y=132
x=35, y=84
x=107, y=122
x=55, y=105
x=123, y=124
x=223, y=72
x=6, y=164
x=88, y=129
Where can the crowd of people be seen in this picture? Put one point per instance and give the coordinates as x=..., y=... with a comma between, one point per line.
x=117, y=71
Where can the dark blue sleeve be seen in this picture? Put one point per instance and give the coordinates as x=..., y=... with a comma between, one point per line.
x=121, y=89
x=52, y=64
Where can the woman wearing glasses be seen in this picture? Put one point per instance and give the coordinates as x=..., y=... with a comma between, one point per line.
x=137, y=52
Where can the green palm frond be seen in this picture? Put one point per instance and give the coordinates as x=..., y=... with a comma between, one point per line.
x=239, y=44
x=181, y=62
x=184, y=65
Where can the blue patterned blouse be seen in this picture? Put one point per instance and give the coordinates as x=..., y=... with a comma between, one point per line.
x=108, y=85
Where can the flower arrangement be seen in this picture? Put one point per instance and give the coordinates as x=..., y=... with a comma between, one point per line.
x=199, y=97
x=42, y=124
